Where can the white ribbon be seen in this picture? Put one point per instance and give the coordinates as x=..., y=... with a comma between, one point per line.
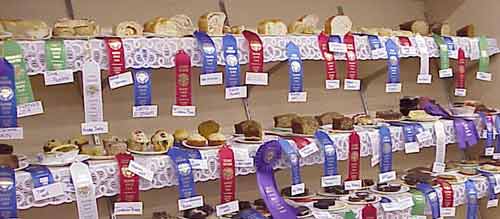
x=440, y=142
x=84, y=191
x=92, y=92
x=424, y=54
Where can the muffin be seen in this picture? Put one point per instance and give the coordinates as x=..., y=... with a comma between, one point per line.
x=162, y=140
x=216, y=139
x=180, y=135
x=138, y=141
x=208, y=127
x=196, y=139
x=114, y=145
x=52, y=143
x=363, y=119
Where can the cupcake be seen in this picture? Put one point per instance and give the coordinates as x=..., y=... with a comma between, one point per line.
x=216, y=139
x=162, y=140
x=196, y=140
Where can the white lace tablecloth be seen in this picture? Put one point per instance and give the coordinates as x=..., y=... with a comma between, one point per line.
x=160, y=52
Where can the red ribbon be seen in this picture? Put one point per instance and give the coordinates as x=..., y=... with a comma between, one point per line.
x=255, y=52
x=116, y=55
x=404, y=41
x=354, y=156
x=460, y=80
x=447, y=192
x=369, y=212
x=300, y=142
x=331, y=71
x=129, y=182
x=183, y=96
x=227, y=175
x=352, y=63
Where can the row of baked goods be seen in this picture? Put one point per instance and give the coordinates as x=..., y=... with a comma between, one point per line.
x=420, y=27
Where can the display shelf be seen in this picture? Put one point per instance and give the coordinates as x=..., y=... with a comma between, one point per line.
x=160, y=52
x=104, y=173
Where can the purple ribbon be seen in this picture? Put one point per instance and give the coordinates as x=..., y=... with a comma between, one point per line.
x=435, y=110
x=266, y=157
x=466, y=133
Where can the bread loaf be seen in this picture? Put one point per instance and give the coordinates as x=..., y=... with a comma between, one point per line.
x=442, y=29
x=467, y=31
x=128, y=28
x=274, y=27
x=82, y=27
x=285, y=120
x=238, y=29
x=212, y=23
x=416, y=26
x=25, y=29
x=249, y=128
x=184, y=25
x=306, y=125
x=403, y=33
x=327, y=118
x=304, y=25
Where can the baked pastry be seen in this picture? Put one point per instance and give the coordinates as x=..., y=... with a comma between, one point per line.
x=306, y=125
x=138, y=141
x=401, y=33
x=321, y=205
x=180, y=135
x=467, y=31
x=416, y=26
x=6, y=149
x=26, y=29
x=386, y=187
x=64, y=148
x=52, y=143
x=339, y=24
x=81, y=27
x=388, y=115
x=327, y=118
x=216, y=139
x=208, y=127
x=9, y=160
x=114, y=145
x=249, y=128
x=354, y=198
x=275, y=27
x=128, y=28
x=196, y=139
x=338, y=190
x=342, y=123
x=304, y=25
x=419, y=115
x=362, y=119
x=212, y=23
x=367, y=182
x=93, y=150
x=162, y=140
x=285, y=120
x=238, y=29
x=178, y=25
x=183, y=24
x=442, y=29
x=78, y=140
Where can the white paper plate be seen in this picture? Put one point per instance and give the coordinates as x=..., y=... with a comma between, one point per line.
x=346, y=200
x=337, y=207
x=23, y=164
x=402, y=190
x=147, y=152
x=80, y=158
x=185, y=144
x=428, y=119
x=101, y=157
x=489, y=171
x=243, y=140
x=331, y=195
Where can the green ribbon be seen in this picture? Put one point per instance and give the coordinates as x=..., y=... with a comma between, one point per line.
x=13, y=52
x=484, y=58
x=443, y=52
x=419, y=201
x=350, y=215
x=55, y=55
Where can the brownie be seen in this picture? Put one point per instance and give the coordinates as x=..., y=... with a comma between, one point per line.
x=6, y=149
x=362, y=195
x=259, y=202
x=321, y=205
x=249, y=128
x=244, y=205
x=343, y=123
x=354, y=198
x=329, y=201
x=199, y=213
x=367, y=182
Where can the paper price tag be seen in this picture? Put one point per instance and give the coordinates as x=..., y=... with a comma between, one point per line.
x=496, y=189
x=246, y=163
x=352, y=185
x=448, y=212
x=227, y=208
x=492, y=203
x=483, y=76
x=199, y=164
x=322, y=215
x=424, y=79
x=92, y=128
x=327, y=181
x=489, y=151
x=446, y=73
x=337, y=47
x=460, y=92
x=120, y=80
x=379, y=53
x=332, y=84
x=241, y=153
x=438, y=167
x=128, y=208
x=48, y=191
x=391, y=206
x=211, y=79
x=393, y=88
x=11, y=133
x=257, y=78
x=298, y=189
x=183, y=110
x=386, y=177
x=424, y=136
x=149, y=111
x=419, y=217
x=190, y=203
x=58, y=77
x=29, y=109
x=453, y=54
x=406, y=202
x=297, y=97
x=408, y=51
x=412, y=147
x=308, y=150
x=496, y=156
x=236, y=92
x=140, y=170
x=352, y=84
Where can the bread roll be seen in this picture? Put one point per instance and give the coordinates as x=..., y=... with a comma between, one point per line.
x=212, y=23
x=467, y=31
x=305, y=25
x=416, y=26
x=272, y=27
x=183, y=24
x=80, y=27
x=442, y=29
x=128, y=28
x=26, y=29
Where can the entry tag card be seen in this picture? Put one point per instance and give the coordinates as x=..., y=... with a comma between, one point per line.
x=29, y=109
x=227, y=208
x=58, y=77
x=295, y=74
x=128, y=208
x=93, y=128
x=327, y=181
x=48, y=191
x=140, y=170
x=190, y=203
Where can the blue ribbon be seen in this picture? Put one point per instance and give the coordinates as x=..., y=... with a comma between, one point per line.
x=409, y=130
x=374, y=42
x=431, y=197
x=293, y=156
x=8, y=203
x=208, y=52
x=8, y=106
x=466, y=133
x=251, y=213
x=497, y=127
x=295, y=71
x=142, y=86
x=40, y=175
x=449, y=43
x=491, y=184
x=471, y=200
x=184, y=173
x=385, y=149
x=329, y=151
x=191, y=153
x=335, y=39
x=231, y=59
x=489, y=130
x=393, y=72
